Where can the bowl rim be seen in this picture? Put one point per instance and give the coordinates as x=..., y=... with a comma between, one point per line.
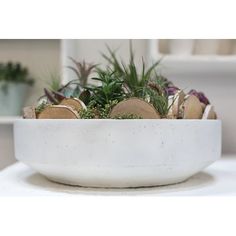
x=217, y=121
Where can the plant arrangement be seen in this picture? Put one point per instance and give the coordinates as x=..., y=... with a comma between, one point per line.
x=122, y=93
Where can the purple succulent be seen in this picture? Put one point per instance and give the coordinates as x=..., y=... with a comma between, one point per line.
x=200, y=95
x=171, y=90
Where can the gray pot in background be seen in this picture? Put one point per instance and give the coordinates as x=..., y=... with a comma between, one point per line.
x=12, y=98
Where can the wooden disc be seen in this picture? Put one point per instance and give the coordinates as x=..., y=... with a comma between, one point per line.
x=58, y=112
x=135, y=106
x=209, y=113
x=192, y=108
x=29, y=112
x=74, y=103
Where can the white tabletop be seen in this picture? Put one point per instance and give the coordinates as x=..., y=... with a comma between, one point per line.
x=218, y=179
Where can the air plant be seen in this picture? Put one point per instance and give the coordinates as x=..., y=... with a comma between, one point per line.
x=82, y=70
x=54, y=82
x=74, y=88
x=147, y=85
x=133, y=81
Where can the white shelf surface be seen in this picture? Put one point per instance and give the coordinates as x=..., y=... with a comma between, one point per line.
x=8, y=120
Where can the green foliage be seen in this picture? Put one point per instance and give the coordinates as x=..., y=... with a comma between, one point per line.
x=89, y=113
x=110, y=88
x=115, y=83
x=15, y=73
x=156, y=93
x=127, y=117
x=55, y=91
x=41, y=107
x=54, y=83
x=104, y=112
x=134, y=82
x=85, y=96
x=159, y=101
x=98, y=112
x=147, y=85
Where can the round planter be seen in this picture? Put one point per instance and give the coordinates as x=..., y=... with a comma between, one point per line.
x=117, y=153
x=12, y=97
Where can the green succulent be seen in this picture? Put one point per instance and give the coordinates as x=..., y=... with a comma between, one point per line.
x=110, y=88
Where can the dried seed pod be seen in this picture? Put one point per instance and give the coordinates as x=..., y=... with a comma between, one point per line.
x=29, y=112
x=191, y=108
x=135, y=106
x=74, y=103
x=58, y=112
x=174, y=102
x=209, y=113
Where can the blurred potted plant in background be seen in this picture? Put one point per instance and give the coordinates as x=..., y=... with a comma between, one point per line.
x=14, y=84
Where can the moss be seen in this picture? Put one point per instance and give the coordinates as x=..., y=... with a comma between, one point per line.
x=41, y=107
x=127, y=116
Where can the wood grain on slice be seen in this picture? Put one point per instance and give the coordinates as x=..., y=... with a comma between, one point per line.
x=29, y=112
x=58, y=112
x=192, y=108
x=135, y=106
x=73, y=103
x=209, y=113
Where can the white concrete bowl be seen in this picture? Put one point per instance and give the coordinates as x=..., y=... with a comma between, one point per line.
x=117, y=153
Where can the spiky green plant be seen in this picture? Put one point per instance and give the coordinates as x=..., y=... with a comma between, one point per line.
x=148, y=85
x=157, y=93
x=134, y=82
x=110, y=88
x=54, y=82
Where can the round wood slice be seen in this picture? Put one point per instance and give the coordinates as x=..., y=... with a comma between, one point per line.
x=209, y=113
x=192, y=108
x=58, y=112
x=135, y=106
x=74, y=103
